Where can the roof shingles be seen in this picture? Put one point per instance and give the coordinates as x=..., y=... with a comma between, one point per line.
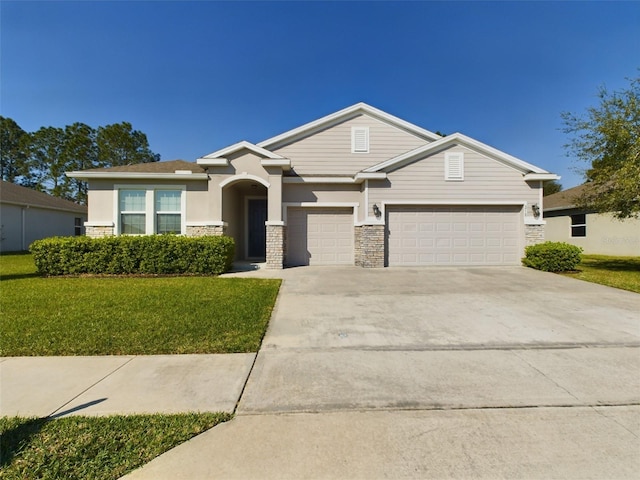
x=18, y=195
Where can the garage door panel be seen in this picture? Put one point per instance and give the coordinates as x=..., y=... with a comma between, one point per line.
x=459, y=235
x=320, y=236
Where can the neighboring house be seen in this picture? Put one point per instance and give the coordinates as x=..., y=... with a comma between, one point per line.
x=27, y=215
x=358, y=186
x=596, y=233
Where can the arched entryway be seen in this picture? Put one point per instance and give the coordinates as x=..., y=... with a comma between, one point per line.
x=245, y=212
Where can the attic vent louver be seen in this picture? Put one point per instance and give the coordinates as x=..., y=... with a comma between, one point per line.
x=454, y=166
x=360, y=139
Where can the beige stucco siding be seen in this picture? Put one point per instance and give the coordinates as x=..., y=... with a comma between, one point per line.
x=329, y=152
x=605, y=235
x=485, y=180
x=102, y=199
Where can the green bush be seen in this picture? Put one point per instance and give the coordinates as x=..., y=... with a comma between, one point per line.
x=153, y=254
x=552, y=256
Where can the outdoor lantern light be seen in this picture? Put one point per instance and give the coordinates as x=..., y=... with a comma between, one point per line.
x=536, y=210
x=376, y=210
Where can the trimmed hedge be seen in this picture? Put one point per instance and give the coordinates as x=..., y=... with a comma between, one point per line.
x=121, y=255
x=552, y=256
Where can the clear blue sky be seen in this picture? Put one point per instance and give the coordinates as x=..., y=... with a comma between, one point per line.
x=198, y=76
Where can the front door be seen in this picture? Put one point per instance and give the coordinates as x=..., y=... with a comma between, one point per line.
x=257, y=231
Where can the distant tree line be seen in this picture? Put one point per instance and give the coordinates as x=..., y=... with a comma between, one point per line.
x=39, y=159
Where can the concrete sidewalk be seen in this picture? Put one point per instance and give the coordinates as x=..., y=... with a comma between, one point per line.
x=535, y=443
x=58, y=386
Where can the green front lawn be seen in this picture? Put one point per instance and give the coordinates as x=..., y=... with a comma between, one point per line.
x=618, y=272
x=129, y=315
x=98, y=448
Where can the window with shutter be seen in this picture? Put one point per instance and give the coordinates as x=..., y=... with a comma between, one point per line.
x=360, y=139
x=454, y=166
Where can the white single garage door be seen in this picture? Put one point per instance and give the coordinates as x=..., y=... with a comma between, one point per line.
x=454, y=235
x=319, y=236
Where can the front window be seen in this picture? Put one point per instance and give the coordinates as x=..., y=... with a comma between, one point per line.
x=148, y=210
x=168, y=211
x=133, y=212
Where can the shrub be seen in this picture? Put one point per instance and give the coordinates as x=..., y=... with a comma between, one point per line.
x=552, y=256
x=153, y=254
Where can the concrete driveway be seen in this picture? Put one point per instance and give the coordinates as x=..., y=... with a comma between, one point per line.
x=444, y=338
x=433, y=373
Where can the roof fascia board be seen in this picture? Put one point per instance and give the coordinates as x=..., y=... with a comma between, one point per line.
x=44, y=207
x=237, y=147
x=341, y=116
x=541, y=176
x=285, y=163
x=136, y=176
x=463, y=140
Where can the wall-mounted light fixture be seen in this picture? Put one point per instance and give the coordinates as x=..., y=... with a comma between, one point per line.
x=376, y=210
x=535, y=208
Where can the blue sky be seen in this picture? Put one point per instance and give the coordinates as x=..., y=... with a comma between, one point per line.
x=198, y=76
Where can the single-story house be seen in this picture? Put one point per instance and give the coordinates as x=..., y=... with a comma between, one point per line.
x=358, y=186
x=596, y=233
x=27, y=215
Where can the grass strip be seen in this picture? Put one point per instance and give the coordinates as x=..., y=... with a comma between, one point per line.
x=129, y=315
x=618, y=272
x=99, y=448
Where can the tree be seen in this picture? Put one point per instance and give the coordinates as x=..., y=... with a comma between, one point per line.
x=46, y=162
x=550, y=187
x=607, y=137
x=119, y=144
x=80, y=153
x=13, y=143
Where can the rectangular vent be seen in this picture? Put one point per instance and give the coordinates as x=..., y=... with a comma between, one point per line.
x=360, y=139
x=454, y=166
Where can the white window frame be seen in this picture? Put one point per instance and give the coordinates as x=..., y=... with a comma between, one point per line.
x=449, y=158
x=578, y=225
x=150, y=206
x=354, y=134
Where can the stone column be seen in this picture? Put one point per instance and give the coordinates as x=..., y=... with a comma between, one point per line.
x=275, y=245
x=371, y=246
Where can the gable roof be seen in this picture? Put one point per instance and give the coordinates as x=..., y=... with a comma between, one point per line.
x=214, y=157
x=342, y=116
x=17, y=195
x=564, y=199
x=460, y=139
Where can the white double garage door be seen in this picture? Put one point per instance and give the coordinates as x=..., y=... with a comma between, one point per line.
x=414, y=236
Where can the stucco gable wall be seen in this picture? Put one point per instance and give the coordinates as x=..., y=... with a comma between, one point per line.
x=605, y=234
x=485, y=179
x=245, y=162
x=328, y=152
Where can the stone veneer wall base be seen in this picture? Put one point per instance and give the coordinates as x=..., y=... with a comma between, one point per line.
x=98, y=231
x=533, y=234
x=205, y=230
